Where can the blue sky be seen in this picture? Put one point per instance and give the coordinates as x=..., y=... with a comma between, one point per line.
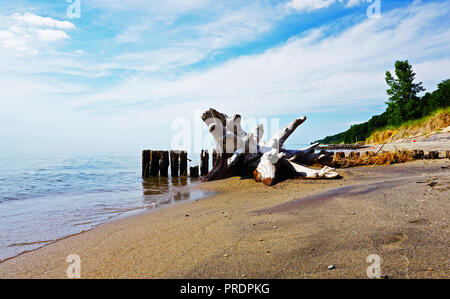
x=115, y=79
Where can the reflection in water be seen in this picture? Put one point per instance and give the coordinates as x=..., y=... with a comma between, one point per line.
x=158, y=190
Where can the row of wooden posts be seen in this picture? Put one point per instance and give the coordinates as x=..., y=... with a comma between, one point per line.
x=156, y=163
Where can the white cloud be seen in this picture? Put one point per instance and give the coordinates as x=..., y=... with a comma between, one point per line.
x=305, y=74
x=309, y=5
x=192, y=43
x=28, y=33
x=51, y=35
x=320, y=71
x=32, y=20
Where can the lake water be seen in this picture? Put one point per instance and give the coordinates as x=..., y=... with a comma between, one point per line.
x=43, y=199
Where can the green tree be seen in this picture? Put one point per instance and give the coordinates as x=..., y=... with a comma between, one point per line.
x=440, y=98
x=403, y=103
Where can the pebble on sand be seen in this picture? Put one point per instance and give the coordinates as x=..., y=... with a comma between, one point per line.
x=331, y=267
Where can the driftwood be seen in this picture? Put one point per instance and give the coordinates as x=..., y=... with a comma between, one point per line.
x=244, y=154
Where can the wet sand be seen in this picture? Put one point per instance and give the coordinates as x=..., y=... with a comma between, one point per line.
x=295, y=229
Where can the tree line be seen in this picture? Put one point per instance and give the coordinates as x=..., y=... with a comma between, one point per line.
x=404, y=104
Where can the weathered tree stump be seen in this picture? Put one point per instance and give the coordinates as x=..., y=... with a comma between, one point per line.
x=174, y=163
x=204, y=163
x=164, y=164
x=193, y=172
x=145, y=163
x=246, y=153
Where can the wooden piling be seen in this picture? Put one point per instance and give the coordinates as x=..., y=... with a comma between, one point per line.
x=174, y=163
x=145, y=163
x=418, y=154
x=164, y=164
x=154, y=164
x=183, y=163
x=433, y=155
x=193, y=172
x=204, y=162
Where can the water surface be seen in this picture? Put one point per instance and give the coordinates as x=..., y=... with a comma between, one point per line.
x=43, y=199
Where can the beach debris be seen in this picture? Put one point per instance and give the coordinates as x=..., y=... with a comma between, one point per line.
x=225, y=255
x=353, y=213
x=246, y=154
x=275, y=227
x=371, y=159
x=432, y=184
x=331, y=267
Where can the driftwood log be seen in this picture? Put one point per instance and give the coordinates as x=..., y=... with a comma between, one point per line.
x=245, y=154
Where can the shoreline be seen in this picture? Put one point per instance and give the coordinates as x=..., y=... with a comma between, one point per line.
x=128, y=213
x=249, y=229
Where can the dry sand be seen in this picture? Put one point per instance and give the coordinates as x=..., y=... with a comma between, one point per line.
x=292, y=230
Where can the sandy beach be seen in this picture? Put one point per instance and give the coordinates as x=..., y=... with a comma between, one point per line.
x=295, y=229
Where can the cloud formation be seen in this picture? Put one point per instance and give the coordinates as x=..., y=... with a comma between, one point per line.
x=108, y=93
x=309, y=5
x=27, y=33
x=312, y=72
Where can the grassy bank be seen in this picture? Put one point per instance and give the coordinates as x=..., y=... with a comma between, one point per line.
x=437, y=121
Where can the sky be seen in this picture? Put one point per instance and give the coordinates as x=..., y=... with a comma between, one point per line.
x=121, y=76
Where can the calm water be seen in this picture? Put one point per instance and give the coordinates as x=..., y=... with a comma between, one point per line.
x=44, y=199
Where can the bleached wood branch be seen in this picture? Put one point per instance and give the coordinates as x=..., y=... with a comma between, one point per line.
x=246, y=153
